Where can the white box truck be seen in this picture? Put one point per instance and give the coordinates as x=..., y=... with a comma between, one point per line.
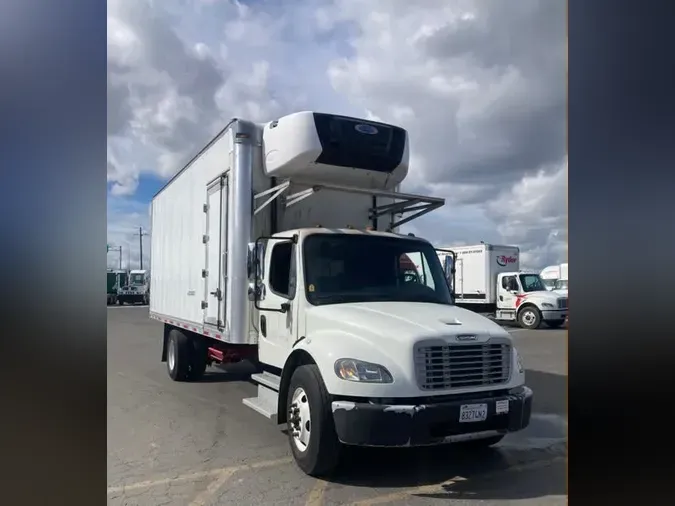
x=277, y=242
x=486, y=278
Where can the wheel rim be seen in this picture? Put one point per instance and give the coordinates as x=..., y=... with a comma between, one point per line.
x=529, y=317
x=172, y=354
x=300, y=419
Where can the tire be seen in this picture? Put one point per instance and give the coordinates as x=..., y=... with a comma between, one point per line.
x=529, y=318
x=198, y=357
x=311, y=431
x=178, y=355
x=120, y=301
x=481, y=443
x=555, y=324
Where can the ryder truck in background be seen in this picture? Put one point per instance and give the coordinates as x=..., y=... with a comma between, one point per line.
x=278, y=243
x=486, y=278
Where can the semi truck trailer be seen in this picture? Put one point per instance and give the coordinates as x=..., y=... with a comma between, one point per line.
x=111, y=280
x=279, y=243
x=487, y=278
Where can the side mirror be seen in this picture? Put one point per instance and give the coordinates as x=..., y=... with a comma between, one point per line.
x=250, y=262
x=259, y=260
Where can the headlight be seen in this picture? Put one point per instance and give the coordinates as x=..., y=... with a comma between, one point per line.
x=350, y=369
x=546, y=304
x=519, y=362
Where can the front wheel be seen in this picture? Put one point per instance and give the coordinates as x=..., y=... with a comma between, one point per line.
x=529, y=318
x=311, y=431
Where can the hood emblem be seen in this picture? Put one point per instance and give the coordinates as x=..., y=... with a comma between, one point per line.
x=467, y=337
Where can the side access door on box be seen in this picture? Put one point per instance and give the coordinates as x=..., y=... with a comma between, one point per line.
x=215, y=261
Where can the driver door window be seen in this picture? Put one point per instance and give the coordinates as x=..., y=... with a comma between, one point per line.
x=282, y=276
x=509, y=283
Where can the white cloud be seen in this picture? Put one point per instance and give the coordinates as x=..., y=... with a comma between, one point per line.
x=480, y=85
x=125, y=217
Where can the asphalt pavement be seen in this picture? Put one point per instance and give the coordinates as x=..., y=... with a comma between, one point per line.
x=189, y=444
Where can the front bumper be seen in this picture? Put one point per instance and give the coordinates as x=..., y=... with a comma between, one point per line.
x=554, y=314
x=131, y=297
x=366, y=424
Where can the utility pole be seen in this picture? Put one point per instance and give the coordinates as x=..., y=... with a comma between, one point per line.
x=118, y=248
x=140, y=235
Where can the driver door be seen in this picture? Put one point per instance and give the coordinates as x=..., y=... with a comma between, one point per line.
x=507, y=286
x=276, y=324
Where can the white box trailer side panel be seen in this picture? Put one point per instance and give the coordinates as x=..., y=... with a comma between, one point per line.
x=178, y=225
x=500, y=259
x=470, y=276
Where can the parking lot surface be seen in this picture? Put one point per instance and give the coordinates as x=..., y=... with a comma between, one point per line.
x=189, y=444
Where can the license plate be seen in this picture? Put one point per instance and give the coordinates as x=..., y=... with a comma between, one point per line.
x=472, y=412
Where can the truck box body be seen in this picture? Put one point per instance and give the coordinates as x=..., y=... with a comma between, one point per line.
x=207, y=208
x=476, y=270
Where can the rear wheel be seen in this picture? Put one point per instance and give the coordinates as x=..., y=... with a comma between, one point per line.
x=311, y=431
x=529, y=317
x=198, y=359
x=178, y=355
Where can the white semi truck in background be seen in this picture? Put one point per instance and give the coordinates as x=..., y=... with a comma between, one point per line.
x=555, y=277
x=487, y=279
x=137, y=288
x=277, y=242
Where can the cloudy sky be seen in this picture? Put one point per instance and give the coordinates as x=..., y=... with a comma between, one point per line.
x=480, y=85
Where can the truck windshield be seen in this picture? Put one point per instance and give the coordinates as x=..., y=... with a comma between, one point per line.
x=137, y=279
x=341, y=268
x=532, y=283
x=561, y=284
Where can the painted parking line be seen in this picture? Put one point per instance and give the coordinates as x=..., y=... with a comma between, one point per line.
x=199, y=475
x=315, y=497
x=205, y=497
x=405, y=494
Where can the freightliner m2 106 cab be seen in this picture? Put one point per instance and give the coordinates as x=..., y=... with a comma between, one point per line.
x=278, y=243
x=486, y=278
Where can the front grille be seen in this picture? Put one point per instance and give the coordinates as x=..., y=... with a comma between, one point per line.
x=562, y=303
x=440, y=367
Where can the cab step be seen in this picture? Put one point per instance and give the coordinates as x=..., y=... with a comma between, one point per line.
x=268, y=395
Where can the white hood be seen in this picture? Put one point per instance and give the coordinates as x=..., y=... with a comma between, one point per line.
x=385, y=333
x=403, y=322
